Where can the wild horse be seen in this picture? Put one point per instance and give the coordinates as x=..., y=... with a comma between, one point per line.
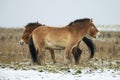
x=76, y=51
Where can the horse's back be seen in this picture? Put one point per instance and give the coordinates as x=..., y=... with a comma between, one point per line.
x=52, y=31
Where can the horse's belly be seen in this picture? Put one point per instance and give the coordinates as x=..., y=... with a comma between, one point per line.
x=57, y=45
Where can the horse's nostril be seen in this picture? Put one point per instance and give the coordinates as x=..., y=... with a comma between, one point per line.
x=21, y=43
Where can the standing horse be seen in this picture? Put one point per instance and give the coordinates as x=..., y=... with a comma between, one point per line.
x=76, y=51
x=67, y=37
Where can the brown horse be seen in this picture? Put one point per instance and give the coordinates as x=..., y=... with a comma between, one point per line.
x=76, y=51
x=67, y=37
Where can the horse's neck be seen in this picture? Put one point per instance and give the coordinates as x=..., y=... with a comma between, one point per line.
x=80, y=30
x=35, y=27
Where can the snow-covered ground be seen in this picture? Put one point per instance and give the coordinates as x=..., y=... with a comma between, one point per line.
x=85, y=74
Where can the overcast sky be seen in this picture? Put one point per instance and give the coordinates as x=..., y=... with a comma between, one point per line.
x=17, y=13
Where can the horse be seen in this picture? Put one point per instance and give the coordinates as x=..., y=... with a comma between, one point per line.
x=76, y=51
x=66, y=37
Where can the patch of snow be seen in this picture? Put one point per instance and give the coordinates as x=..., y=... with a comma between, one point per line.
x=86, y=74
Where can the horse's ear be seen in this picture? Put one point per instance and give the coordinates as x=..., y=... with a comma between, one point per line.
x=91, y=20
x=37, y=22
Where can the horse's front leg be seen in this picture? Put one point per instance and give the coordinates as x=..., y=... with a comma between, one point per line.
x=76, y=53
x=73, y=43
x=68, y=54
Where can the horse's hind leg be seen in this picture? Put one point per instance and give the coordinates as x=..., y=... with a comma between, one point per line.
x=40, y=56
x=51, y=51
x=76, y=53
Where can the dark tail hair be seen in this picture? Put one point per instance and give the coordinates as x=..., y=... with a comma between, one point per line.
x=32, y=50
x=90, y=45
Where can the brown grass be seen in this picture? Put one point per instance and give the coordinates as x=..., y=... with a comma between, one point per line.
x=107, y=50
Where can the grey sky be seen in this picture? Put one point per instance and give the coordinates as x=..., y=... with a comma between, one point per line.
x=15, y=13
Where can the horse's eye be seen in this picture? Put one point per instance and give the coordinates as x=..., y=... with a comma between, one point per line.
x=26, y=35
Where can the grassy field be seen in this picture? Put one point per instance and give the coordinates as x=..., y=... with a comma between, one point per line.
x=107, y=52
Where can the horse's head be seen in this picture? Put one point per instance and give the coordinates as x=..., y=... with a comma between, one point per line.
x=27, y=32
x=93, y=31
x=85, y=25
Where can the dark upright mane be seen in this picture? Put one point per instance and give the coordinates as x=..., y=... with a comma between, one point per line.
x=79, y=20
x=33, y=25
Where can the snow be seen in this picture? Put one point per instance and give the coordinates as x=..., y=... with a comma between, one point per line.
x=86, y=74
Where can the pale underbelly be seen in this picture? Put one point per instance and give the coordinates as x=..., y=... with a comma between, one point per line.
x=55, y=46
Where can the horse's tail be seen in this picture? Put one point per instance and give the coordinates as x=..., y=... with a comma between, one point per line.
x=90, y=45
x=32, y=50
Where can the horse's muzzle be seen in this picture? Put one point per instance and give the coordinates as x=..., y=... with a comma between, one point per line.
x=21, y=42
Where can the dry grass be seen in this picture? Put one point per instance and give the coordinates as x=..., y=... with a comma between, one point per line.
x=107, y=50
